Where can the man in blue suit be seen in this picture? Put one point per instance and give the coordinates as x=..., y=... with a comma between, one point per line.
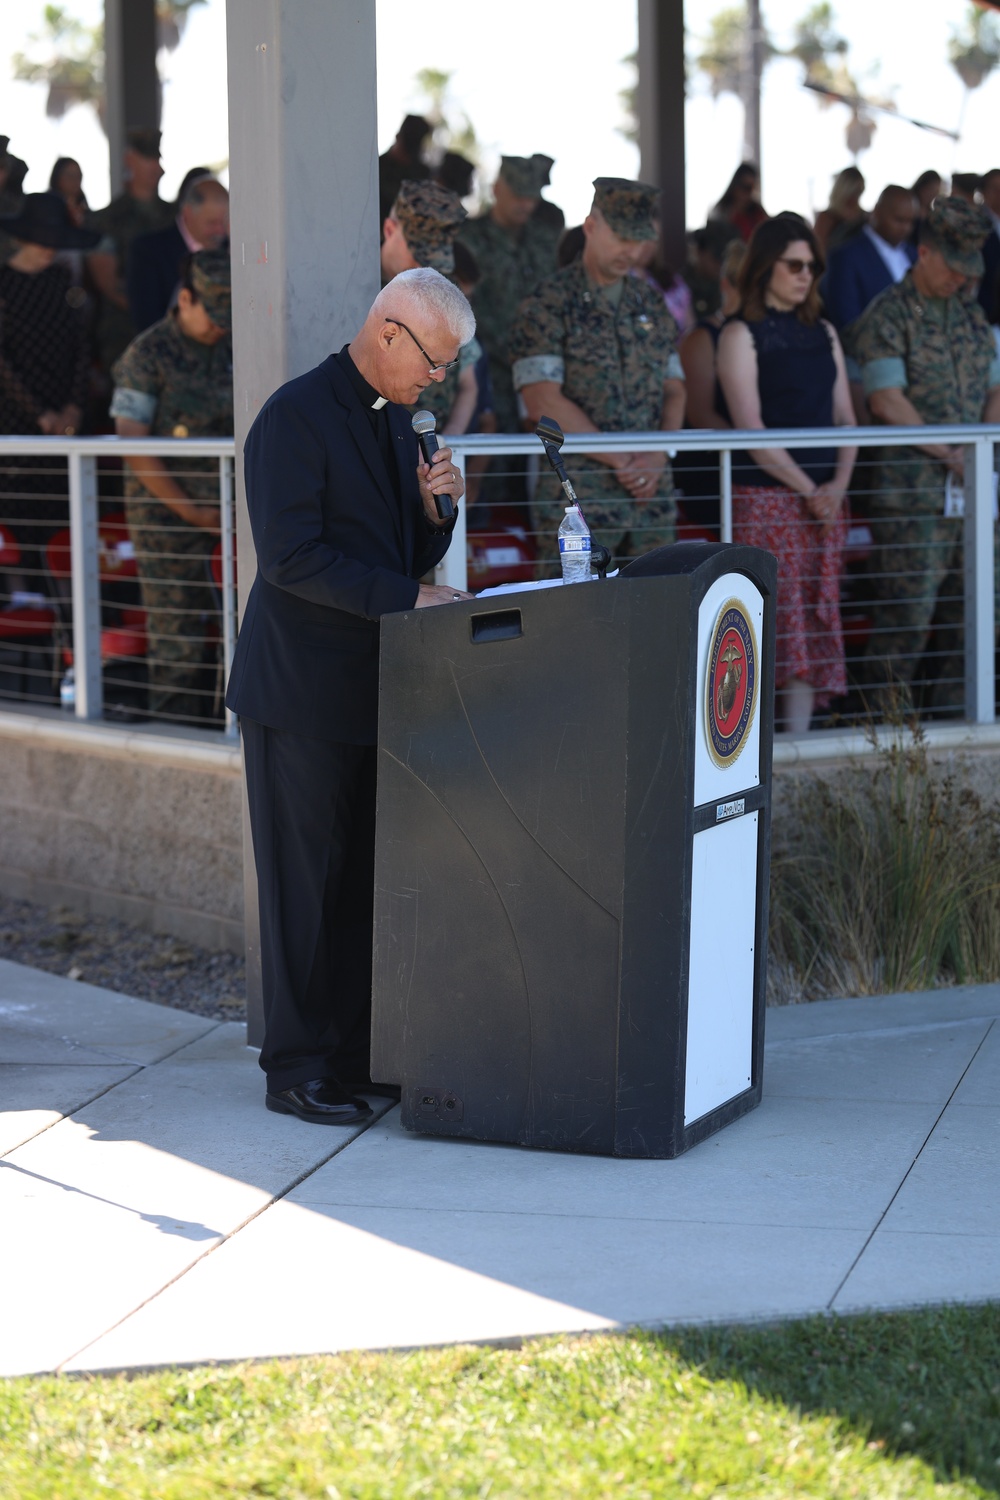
x=345, y=524
x=879, y=255
x=154, y=262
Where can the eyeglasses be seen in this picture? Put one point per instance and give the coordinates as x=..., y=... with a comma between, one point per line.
x=432, y=365
x=797, y=266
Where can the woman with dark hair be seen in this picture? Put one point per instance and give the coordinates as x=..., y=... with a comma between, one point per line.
x=66, y=179
x=740, y=203
x=43, y=368
x=781, y=365
x=926, y=188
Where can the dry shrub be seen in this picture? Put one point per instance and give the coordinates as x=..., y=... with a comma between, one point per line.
x=885, y=879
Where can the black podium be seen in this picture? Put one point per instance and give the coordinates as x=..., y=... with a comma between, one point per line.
x=572, y=857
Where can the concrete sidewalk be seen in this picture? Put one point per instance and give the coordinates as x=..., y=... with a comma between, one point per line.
x=154, y=1213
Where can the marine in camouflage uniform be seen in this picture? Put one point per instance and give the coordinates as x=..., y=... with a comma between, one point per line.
x=514, y=249
x=420, y=230
x=177, y=385
x=926, y=340
x=613, y=351
x=121, y=222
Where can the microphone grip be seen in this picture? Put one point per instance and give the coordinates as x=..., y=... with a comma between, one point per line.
x=429, y=445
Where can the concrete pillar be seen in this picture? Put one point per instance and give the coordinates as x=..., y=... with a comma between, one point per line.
x=661, y=116
x=131, y=81
x=304, y=186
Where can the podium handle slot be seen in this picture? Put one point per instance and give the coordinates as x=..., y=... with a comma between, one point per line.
x=502, y=625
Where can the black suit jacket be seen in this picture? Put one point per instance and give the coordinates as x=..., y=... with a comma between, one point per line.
x=152, y=274
x=989, y=287
x=335, y=551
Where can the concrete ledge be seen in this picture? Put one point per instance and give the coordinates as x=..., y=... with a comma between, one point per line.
x=136, y=823
x=203, y=929
x=835, y=747
x=188, y=749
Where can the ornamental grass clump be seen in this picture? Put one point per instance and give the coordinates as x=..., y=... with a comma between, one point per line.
x=886, y=878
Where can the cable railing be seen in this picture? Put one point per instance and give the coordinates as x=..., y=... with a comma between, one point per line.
x=111, y=606
x=917, y=587
x=117, y=615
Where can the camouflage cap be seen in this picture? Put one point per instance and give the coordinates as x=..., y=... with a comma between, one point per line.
x=430, y=216
x=629, y=208
x=211, y=278
x=958, y=230
x=525, y=175
x=144, y=142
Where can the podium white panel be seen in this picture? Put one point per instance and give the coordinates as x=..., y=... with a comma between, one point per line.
x=721, y=976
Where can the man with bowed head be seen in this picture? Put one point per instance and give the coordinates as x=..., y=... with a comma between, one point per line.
x=927, y=355
x=596, y=349
x=345, y=524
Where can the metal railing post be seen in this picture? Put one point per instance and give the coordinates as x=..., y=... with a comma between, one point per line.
x=86, y=587
x=726, y=495
x=228, y=559
x=980, y=606
x=453, y=569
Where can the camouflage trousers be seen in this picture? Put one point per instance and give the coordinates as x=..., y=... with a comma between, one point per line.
x=183, y=619
x=915, y=656
x=627, y=527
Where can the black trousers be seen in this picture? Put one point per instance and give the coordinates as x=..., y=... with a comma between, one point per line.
x=312, y=815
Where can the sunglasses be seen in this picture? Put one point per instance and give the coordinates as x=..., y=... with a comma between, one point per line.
x=432, y=365
x=797, y=266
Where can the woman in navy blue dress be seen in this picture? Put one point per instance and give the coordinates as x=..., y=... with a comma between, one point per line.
x=781, y=365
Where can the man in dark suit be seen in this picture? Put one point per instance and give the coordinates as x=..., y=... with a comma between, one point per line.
x=345, y=523
x=154, y=262
x=989, y=287
x=878, y=256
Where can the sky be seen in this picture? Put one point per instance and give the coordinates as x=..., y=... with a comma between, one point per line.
x=545, y=75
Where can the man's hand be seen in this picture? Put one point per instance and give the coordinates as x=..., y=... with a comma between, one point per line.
x=954, y=461
x=205, y=517
x=641, y=472
x=439, y=478
x=69, y=420
x=438, y=593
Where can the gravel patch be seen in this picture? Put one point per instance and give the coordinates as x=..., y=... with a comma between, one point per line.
x=102, y=951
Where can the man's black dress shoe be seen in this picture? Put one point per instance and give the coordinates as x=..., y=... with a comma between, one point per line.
x=321, y=1101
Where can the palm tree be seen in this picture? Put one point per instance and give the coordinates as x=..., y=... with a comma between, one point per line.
x=72, y=60
x=974, y=51
x=733, y=56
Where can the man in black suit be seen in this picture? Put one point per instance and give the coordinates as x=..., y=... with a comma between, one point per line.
x=345, y=524
x=154, y=262
x=989, y=286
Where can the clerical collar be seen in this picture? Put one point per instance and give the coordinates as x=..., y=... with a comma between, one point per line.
x=367, y=394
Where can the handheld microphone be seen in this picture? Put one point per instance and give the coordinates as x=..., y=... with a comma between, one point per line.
x=425, y=426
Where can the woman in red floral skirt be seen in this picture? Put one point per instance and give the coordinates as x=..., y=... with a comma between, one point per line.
x=781, y=365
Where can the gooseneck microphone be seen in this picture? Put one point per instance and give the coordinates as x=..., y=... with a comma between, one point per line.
x=425, y=426
x=551, y=437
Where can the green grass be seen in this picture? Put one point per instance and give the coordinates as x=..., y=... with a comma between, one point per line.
x=878, y=1406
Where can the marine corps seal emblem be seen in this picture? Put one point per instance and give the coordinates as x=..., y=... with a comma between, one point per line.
x=730, y=683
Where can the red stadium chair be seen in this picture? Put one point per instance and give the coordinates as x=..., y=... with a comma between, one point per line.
x=503, y=554
x=27, y=637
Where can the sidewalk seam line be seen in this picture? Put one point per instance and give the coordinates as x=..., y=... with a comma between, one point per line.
x=903, y=1180
x=60, y=1366
x=136, y=1068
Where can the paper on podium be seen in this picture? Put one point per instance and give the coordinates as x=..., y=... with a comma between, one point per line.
x=544, y=583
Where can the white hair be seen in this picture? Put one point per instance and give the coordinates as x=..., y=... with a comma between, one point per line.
x=431, y=294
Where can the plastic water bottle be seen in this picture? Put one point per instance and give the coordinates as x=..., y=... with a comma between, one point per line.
x=67, y=691
x=574, y=546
